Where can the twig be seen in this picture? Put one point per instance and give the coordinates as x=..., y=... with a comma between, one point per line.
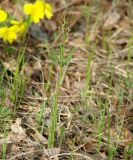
x=70, y=154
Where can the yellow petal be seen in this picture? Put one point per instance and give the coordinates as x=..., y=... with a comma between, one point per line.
x=3, y=31
x=22, y=29
x=14, y=22
x=18, y=27
x=40, y=14
x=39, y=8
x=28, y=8
x=48, y=14
x=39, y=4
x=3, y=15
x=36, y=19
x=48, y=7
x=11, y=37
x=48, y=11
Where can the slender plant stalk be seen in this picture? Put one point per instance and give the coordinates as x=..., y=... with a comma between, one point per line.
x=53, y=124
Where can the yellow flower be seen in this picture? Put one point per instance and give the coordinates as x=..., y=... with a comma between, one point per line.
x=19, y=27
x=8, y=34
x=36, y=10
x=48, y=11
x=3, y=15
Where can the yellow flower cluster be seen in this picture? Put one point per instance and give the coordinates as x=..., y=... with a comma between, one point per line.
x=9, y=34
x=38, y=10
x=35, y=12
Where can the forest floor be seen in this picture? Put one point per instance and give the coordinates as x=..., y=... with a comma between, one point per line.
x=67, y=92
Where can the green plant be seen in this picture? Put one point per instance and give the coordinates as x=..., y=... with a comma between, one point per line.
x=40, y=116
x=58, y=57
x=4, y=146
x=18, y=81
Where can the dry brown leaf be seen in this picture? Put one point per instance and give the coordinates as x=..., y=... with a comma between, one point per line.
x=111, y=20
x=17, y=132
x=51, y=26
x=80, y=84
x=40, y=138
x=78, y=43
x=10, y=65
x=67, y=83
x=51, y=152
x=90, y=145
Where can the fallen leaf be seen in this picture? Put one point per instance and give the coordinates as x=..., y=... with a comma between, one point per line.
x=17, y=132
x=112, y=19
x=51, y=152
